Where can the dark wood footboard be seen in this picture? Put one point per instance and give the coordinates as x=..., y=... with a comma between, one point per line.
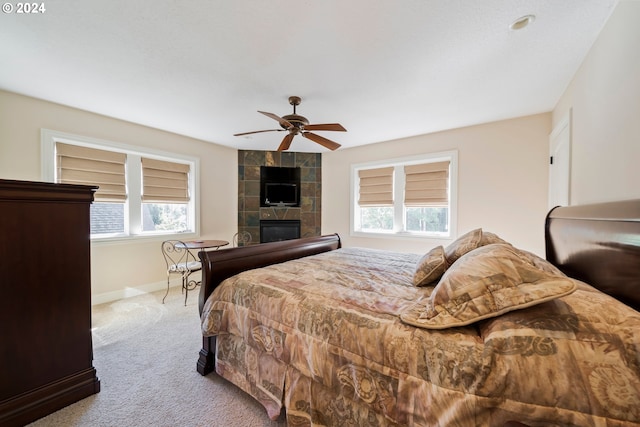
x=224, y=263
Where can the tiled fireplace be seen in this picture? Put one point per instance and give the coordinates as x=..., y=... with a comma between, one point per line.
x=250, y=214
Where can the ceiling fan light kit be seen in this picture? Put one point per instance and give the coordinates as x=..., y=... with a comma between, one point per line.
x=296, y=124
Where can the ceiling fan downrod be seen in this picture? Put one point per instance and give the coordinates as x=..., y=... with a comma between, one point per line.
x=295, y=101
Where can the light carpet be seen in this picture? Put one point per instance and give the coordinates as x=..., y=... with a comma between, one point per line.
x=145, y=354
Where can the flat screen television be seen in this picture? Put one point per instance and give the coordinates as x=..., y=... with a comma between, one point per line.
x=280, y=194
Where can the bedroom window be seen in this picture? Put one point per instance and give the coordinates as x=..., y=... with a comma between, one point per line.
x=405, y=197
x=165, y=195
x=375, y=199
x=141, y=192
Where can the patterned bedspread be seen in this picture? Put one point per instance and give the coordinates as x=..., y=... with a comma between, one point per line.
x=322, y=336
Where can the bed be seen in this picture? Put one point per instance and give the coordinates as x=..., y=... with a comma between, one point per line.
x=478, y=333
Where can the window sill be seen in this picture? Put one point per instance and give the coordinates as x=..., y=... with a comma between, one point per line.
x=402, y=235
x=141, y=238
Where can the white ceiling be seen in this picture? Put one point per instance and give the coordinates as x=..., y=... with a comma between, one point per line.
x=384, y=69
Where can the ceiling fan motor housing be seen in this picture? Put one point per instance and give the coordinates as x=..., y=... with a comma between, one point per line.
x=298, y=121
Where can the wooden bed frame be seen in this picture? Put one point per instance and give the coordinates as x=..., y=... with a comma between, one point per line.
x=598, y=244
x=222, y=264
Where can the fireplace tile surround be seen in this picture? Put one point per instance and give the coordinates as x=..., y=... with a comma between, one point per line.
x=249, y=211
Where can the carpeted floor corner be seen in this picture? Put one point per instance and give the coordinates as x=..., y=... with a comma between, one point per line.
x=145, y=354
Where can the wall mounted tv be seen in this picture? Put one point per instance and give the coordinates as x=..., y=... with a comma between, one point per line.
x=280, y=194
x=279, y=186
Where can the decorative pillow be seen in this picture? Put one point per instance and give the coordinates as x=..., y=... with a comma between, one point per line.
x=540, y=263
x=430, y=267
x=490, y=238
x=463, y=244
x=487, y=282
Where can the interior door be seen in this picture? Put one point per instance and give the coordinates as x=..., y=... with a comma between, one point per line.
x=560, y=164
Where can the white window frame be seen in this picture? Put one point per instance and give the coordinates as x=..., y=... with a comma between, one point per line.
x=398, y=196
x=133, y=204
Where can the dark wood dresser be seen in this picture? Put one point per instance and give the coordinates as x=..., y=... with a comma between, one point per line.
x=46, y=353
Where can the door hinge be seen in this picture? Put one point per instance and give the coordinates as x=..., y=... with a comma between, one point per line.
x=551, y=160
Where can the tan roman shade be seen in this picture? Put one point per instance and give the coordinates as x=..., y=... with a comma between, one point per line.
x=427, y=184
x=89, y=166
x=164, y=182
x=376, y=187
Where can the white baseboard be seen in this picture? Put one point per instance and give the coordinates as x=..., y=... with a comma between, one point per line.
x=132, y=292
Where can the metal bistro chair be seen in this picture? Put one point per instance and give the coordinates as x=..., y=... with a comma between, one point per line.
x=182, y=262
x=242, y=238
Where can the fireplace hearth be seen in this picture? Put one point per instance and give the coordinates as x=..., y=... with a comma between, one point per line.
x=277, y=230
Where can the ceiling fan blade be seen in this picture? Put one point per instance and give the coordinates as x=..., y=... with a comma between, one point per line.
x=279, y=119
x=321, y=140
x=257, y=131
x=327, y=126
x=286, y=142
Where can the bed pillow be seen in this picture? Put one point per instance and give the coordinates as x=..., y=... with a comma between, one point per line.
x=435, y=262
x=463, y=244
x=430, y=267
x=486, y=282
x=489, y=238
x=540, y=263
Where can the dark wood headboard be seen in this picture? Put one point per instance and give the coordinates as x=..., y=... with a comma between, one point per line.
x=598, y=244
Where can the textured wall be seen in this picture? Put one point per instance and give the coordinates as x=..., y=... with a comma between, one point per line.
x=119, y=267
x=503, y=170
x=604, y=101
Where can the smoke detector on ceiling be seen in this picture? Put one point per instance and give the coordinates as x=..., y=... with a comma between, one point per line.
x=522, y=22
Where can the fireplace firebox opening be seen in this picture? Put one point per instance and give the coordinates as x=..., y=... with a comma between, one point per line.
x=277, y=230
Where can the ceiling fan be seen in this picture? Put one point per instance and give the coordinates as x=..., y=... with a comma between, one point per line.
x=299, y=125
